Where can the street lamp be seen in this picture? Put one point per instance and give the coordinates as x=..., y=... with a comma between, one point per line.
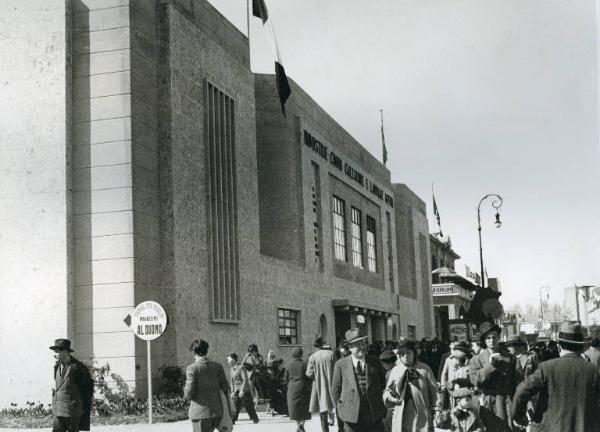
x=496, y=203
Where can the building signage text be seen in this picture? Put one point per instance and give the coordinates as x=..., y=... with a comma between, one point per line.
x=351, y=172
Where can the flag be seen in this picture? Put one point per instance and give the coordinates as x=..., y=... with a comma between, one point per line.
x=283, y=86
x=259, y=10
x=436, y=213
x=384, y=149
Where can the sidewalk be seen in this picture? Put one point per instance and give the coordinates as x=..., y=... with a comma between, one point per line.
x=267, y=424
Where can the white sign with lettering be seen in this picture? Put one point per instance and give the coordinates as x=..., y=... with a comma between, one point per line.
x=148, y=320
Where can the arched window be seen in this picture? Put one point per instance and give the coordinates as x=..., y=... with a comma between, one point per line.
x=323, y=325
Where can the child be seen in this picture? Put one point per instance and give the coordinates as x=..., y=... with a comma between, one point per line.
x=465, y=415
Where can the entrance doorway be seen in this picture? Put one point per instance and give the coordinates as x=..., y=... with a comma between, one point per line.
x=342, y=325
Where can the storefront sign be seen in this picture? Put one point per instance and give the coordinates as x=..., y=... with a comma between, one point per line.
x=351, y=172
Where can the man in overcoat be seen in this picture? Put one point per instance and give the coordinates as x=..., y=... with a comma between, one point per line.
x=526, y=363
x=320, y=370
x=205, y=379
x=358, y=385
x=493, y=372
x=73, y=391
x=568, y=389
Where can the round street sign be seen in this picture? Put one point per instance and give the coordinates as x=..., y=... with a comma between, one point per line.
x=148, y=320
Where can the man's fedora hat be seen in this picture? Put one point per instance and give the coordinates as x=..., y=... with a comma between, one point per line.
x=462, y=346
x=319, y=341
x=571, y=333
x=353, y=336
x=516, y=340
x=486, y=328
x=61, y=344
x=388, y=356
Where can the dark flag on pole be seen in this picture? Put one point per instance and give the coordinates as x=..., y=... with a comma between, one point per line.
x=259, y=10
x=384, y=149
x=436, y=213
x=283, y=86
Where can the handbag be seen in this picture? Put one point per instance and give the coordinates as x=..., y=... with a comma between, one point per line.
x=226, y=423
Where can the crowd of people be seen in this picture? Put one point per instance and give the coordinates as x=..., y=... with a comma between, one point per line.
x=404, y=386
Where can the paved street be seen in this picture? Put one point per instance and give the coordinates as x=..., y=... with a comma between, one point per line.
x=267, y=424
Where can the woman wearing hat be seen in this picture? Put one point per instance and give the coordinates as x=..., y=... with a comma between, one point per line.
x=412, y=392
x=299, y=389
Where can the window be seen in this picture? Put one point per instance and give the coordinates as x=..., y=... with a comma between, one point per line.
x=288, y=326
x=356, y=232
x=339, y=230
x=371, y=249
x=412, y=332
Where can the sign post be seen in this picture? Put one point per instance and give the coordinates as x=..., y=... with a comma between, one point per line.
x=148, y=322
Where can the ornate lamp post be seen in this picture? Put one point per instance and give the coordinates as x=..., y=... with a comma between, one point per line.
x=496, y=203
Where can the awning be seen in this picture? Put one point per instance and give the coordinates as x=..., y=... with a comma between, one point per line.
x=346, y=305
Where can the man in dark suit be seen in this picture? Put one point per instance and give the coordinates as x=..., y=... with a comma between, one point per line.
x=73, y=391
x=357, y=389
x=205, y=379
x=568, y=389
x=526, y=362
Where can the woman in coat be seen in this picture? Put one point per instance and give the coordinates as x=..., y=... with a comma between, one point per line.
x=299, y=389
x=412, y=391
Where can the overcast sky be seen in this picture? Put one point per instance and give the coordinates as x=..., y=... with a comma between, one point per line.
x=479, y=96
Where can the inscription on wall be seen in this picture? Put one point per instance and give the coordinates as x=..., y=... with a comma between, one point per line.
x=351, y=172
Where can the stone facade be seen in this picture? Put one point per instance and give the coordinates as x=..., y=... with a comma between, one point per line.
x=161, y=168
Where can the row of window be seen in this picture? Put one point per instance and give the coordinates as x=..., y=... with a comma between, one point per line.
x=289, y=327
x=356, y=235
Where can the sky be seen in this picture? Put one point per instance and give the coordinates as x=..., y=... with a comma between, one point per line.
x=479, y=96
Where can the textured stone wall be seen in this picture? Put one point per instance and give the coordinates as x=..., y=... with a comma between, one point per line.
x=414, y=267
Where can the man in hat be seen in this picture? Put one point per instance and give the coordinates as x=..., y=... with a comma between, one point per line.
x=358, y=385
x=526, y=362
x=568, y=388
x=73, y=391
x=493, y=372
x=320, y=370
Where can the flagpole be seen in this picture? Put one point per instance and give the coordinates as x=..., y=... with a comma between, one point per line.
x=383, y=149
x=248, y=20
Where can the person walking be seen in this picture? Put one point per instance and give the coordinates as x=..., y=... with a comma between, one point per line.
x=593, y=353
x=568, y=389
x=493, y=372
x=205, y=379
x=241, y=396
x=320, y=370
x=358, y=383
x=299, y=389
x=412, y=391
x=525, y=363
x=73, y=390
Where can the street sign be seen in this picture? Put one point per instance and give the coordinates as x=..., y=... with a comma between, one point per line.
x=148, y=320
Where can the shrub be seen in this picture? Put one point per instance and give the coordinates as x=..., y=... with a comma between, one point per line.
x=31, y=409
x=173, y=378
